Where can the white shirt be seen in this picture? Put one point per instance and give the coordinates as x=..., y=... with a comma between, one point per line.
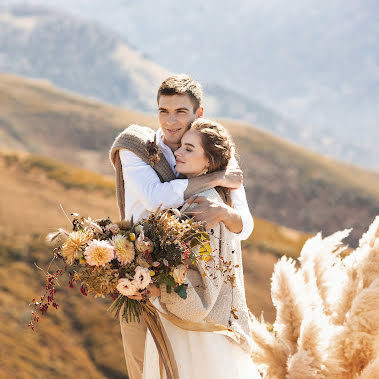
x=144, y=192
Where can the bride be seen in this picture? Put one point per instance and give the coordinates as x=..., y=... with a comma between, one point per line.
x=206, y=147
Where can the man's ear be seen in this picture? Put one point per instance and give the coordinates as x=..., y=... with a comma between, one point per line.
x=200, y=112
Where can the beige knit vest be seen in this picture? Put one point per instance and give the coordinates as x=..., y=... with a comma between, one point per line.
x=135, y=138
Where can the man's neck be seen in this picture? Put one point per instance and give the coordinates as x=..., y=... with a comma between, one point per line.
x=172, y=146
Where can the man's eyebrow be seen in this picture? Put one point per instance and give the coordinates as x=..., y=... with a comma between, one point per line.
x=182, y=109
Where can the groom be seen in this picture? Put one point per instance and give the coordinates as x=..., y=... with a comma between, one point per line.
x=147, y=183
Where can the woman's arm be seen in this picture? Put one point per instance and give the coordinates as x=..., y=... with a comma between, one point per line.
x=146, y=185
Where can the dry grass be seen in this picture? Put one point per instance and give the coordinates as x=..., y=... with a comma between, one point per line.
x=81, y=331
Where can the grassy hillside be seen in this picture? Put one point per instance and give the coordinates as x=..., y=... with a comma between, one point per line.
x=284, y=183
x=81, y=332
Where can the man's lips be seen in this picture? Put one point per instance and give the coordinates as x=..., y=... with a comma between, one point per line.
x=173, y=131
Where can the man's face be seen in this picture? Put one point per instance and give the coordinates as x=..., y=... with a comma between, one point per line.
x=176, y=114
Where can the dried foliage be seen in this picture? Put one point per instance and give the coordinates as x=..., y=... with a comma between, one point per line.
x=121, y=260
x=327, y=323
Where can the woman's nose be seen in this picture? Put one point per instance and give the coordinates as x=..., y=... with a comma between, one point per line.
x=177, y=152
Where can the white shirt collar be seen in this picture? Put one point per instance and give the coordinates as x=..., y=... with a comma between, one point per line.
x=161, y=144
x=166, y=150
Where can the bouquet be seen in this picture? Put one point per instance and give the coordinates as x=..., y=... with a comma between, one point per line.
x=121, y=259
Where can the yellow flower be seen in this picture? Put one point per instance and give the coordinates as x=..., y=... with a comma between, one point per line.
x=82, y=261
x=132, y=237
x=205, y=252
x=71, y=247
x=124, y=249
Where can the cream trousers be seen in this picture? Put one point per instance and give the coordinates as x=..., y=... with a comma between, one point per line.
x=133, y=340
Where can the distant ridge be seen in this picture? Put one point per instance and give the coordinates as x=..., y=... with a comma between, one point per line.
x=296, y=90
x=94, y=61
x=284, y=183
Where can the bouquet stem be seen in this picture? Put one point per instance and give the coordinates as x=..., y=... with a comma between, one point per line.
x=131, y=309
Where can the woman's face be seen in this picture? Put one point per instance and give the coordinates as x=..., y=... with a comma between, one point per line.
x=190, y=157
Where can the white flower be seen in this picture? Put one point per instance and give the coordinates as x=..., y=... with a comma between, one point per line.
x=99, y=253
x=142, y=277
x=114, y=228
x=144, y=244
x=179, y=274
x=138, y=229
x=126, y=287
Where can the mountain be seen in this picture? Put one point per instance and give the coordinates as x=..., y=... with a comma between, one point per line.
x=284, y=183
x=81, y=332
x=315, y=62
x=263, y=84
x=91, y=60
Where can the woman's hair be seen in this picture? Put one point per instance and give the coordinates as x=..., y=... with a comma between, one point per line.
x=218, y=148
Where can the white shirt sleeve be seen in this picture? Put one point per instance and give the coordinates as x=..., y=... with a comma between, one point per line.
x=240, y=205
x=238, y=197
x=146, y=185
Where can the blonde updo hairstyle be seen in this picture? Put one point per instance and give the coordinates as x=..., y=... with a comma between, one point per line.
x=218, y=148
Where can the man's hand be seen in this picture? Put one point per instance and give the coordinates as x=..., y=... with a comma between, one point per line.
x=231, y=178
x=207, y=211
x=212, y=213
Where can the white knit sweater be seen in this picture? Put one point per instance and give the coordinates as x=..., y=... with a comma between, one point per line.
x=210, y=299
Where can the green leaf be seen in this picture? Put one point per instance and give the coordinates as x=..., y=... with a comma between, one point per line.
x=181, y=291
x=168, y=280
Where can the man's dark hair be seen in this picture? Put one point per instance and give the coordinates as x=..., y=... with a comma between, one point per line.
x=181, y=84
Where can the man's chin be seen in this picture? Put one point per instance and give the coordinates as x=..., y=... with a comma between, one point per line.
x=173, y=139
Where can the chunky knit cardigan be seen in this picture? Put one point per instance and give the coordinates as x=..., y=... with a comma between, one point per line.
x=210, y=299
x=135, y=139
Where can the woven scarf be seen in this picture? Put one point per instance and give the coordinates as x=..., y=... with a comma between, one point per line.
x=135, y=138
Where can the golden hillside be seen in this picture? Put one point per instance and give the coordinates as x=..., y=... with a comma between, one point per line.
x=284, y=183
x=81, y=331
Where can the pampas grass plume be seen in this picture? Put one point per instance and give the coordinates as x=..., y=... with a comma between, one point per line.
x=287, y=292
x=300, y=366
x=327, y=322
x=270, y=353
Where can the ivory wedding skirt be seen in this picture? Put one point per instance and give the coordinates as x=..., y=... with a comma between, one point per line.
x=199, y=355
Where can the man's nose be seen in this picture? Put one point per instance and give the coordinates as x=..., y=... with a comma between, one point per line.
x=171, y=119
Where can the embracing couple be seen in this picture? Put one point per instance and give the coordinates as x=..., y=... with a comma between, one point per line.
x=192, y=160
